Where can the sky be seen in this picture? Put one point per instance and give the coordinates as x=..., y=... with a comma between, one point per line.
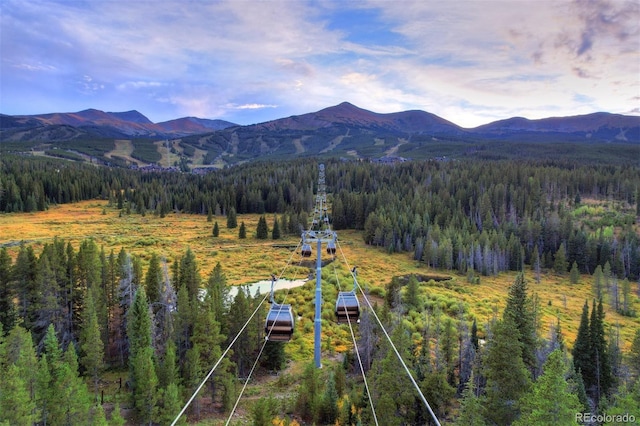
x=249, y=61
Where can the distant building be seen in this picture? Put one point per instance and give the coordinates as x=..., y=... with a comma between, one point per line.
x=389, y=160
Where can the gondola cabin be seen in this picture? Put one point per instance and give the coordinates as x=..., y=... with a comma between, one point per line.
x=306, y=250
x=347, y=307
x=279, y=324
x=331, y=247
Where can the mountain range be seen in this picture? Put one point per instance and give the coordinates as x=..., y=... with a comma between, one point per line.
x=341, y=130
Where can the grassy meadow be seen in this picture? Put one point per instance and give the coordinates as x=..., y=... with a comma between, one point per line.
x=245, y=261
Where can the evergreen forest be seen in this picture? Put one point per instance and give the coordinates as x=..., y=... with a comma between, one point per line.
x=72, y=315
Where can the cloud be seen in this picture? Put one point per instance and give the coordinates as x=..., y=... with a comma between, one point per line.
x=237, y=58
x=252, y=106
x=35, y=67
x=88, y=86
x=139, y=85
x=295, y=67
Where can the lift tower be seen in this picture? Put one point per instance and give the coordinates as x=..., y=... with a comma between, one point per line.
x=319, y=233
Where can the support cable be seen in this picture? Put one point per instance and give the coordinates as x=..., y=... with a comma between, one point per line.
x=233, y=410
x=193, y=396
x=393, y=346
x=264, y=344
x=355, y=344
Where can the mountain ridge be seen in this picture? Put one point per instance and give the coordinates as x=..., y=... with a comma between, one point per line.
x=343, y=130
x=134, y=123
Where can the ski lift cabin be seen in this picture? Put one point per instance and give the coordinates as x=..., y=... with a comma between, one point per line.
x=331, y=247
x=347, y=307
x=279, y=324
x=306, y=250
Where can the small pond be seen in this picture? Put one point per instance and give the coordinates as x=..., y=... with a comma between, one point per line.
x=265, y=286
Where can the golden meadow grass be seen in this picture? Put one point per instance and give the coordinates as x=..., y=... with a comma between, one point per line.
x=245, y=261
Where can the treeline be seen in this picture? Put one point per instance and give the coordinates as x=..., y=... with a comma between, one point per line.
x=486, y=217
x=491, y=217
x=69, y=314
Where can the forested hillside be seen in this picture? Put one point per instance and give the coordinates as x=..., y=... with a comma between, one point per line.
x=73, y=314
x=485, y=216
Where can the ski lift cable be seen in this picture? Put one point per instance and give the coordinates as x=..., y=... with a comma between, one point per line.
x=264, y=344
x=193, y=396
x=233, y=410
x=357, y=351
x=393, y=346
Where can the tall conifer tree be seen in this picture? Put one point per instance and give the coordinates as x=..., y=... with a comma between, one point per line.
x=91, y=344
x=550, y=402
x=519, y=308
x=506, y=373
x=582, y=349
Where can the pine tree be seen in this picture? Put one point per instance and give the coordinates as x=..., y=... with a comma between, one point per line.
x=8, y=312
x=519, y=308
x=116, y=416
x=192, y=375
x=536, y=263
x=448, y=342
x=153, y=280
x=48, y=309
x=438, y=392
x=549, y=401
x=273, y=357
x=98, y=417
x=248, y=339
x=24, y=277
x=232, y=219
x=218, y=293
x=598, y=278
x=91, y=344
x=263, y=411
x=142, y=371
x=505, y=371
x=599, y=353
x=471, y=407
x=184, y=320
x=216, y=229
x=138, y=324
x=262, y=231
x=168, y=380
x=145, y=381
x=189, y=275
x=242, y=232
x=625, y=309
x=329, y=404
x=66, y=398
x=560, y=261
x=16, y=405
x=582, y=349
x=308, y=399
x=171, y=405
x=574, y=274
x=275, y=232
x=19, y=351
x=412, y=295
x=127, y=289
x=206, y=336
x=397, y=398
x=626, y=402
